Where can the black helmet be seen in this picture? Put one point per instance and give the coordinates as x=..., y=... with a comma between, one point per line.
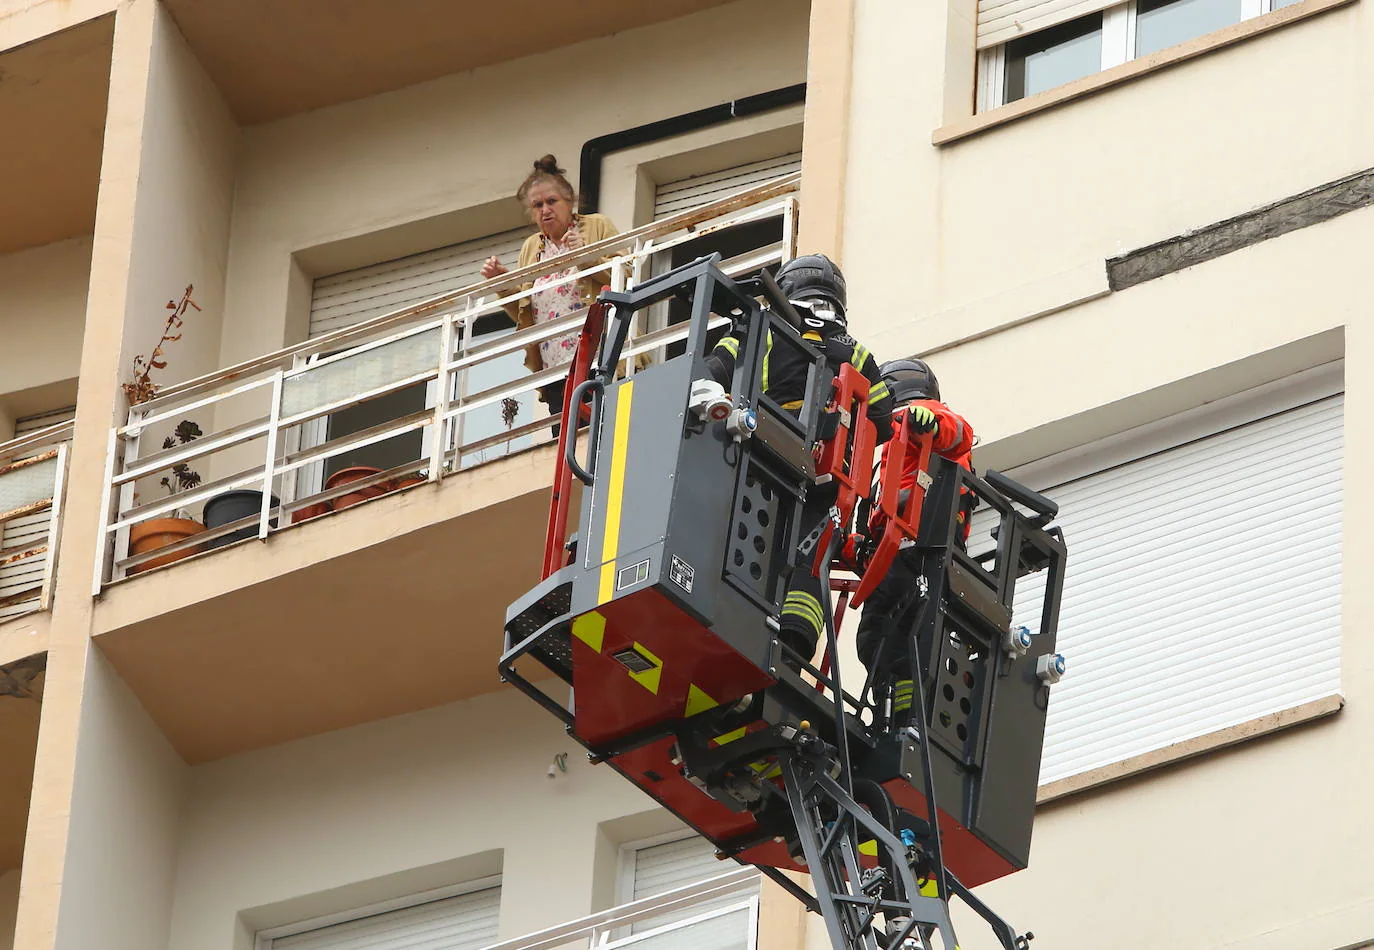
x=811, y=276
x=910, y=379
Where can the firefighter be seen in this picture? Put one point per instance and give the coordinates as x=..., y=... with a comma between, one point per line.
x=891, y=610
x=815, y=287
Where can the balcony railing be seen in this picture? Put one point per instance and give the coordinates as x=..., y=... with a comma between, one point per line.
x=264, y=422
x=720, y=913
x=33, y=471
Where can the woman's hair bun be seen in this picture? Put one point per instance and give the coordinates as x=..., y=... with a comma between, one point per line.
x=548, y=165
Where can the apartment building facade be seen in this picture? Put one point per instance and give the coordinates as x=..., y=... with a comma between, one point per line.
x=1126, y=236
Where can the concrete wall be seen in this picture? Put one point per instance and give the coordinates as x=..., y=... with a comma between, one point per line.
x=42, y=314
x=396, y=807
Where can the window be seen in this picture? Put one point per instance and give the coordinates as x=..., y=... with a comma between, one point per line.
x=648, y=869
x=21, y=581
x=348, y=298
x=733, y=244
x=1027, y=47
x=1201, y=593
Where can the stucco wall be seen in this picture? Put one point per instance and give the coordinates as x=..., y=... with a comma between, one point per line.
x=181, y=221
x=42, y=314
x=467, y=140
x=125, y=809
x=395, y=807
x=945, y=244
x=1000, y=224
x=9, y=904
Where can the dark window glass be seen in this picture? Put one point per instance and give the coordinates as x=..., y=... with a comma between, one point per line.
x=1160, y=24
x=1053, y=57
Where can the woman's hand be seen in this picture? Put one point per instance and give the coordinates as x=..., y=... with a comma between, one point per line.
x=492, y=267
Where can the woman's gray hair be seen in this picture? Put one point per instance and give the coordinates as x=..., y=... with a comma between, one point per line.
x=546, y=169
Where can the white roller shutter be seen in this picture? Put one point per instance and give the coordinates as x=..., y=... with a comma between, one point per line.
x=465, y=922
x=353, y=296
x=660, y=868
x=1002, y=20
x=26, y=576
x=1203, y=588
x=677, y=196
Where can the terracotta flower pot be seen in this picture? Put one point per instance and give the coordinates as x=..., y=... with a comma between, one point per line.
x=159, y=533
x=353, y=474
x=310, y=511
x=405, y=481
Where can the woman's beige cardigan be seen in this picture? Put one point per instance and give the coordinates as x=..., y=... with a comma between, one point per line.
x=595, y=227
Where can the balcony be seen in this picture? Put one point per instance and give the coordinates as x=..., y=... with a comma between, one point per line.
x=310, y=603
x=720, y=913
x=33, y=470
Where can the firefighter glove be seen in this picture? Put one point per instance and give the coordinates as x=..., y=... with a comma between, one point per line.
x=922, y=419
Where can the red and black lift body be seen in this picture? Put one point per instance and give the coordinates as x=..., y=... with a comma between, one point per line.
x=661, y=612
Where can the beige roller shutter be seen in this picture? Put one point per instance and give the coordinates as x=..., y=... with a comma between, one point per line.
x=1203, y=588
x=24, y=579
x=722, y=923
x=677, y=196
x=351, y=297
x=465, y=922
x=1002, y=20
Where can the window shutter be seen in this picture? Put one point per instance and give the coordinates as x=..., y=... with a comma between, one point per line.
x=1203, y=589
x=26, y=577
x=465, y=922
x=1002, y=20
x=675, y=197
x=351, y=297
x=665, y=867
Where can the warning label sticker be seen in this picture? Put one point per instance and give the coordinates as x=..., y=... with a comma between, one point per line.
x=634, y=574
x=681, y=573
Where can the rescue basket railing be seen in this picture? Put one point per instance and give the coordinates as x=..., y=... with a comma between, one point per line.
x=33, y=470
x=265, y=423
x=731, y=895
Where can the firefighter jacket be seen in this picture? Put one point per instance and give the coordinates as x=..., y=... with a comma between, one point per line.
x=953, y=439
x=784, y=372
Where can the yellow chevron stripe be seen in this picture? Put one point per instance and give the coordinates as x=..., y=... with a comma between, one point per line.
x=590, y=628
x=698, y=701
x=615, y=492
x=731, y=736
x=649, y=679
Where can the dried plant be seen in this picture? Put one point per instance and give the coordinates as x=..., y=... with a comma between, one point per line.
x=510, y=408
x=183, y=477
x=142, y=388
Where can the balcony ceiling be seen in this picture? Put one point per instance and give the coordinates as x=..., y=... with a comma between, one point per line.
x=272, y=58
x=52, y=113
x=390, y=607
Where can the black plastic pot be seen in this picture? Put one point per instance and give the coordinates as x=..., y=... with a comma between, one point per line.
x=231, y=506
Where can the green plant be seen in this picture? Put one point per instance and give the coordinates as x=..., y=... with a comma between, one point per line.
x=182, y=477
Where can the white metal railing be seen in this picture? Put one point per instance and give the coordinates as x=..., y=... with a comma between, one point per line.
x=726, y=918
x=273, y=409
x=33, y=473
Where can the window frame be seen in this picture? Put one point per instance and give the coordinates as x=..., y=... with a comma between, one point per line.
x=1118, y=48
x=263, y=939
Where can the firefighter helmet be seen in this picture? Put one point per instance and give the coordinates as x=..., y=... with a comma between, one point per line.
x=813, y=276
x=910, y=379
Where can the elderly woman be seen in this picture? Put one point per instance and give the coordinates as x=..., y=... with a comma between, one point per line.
x=550, y=201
